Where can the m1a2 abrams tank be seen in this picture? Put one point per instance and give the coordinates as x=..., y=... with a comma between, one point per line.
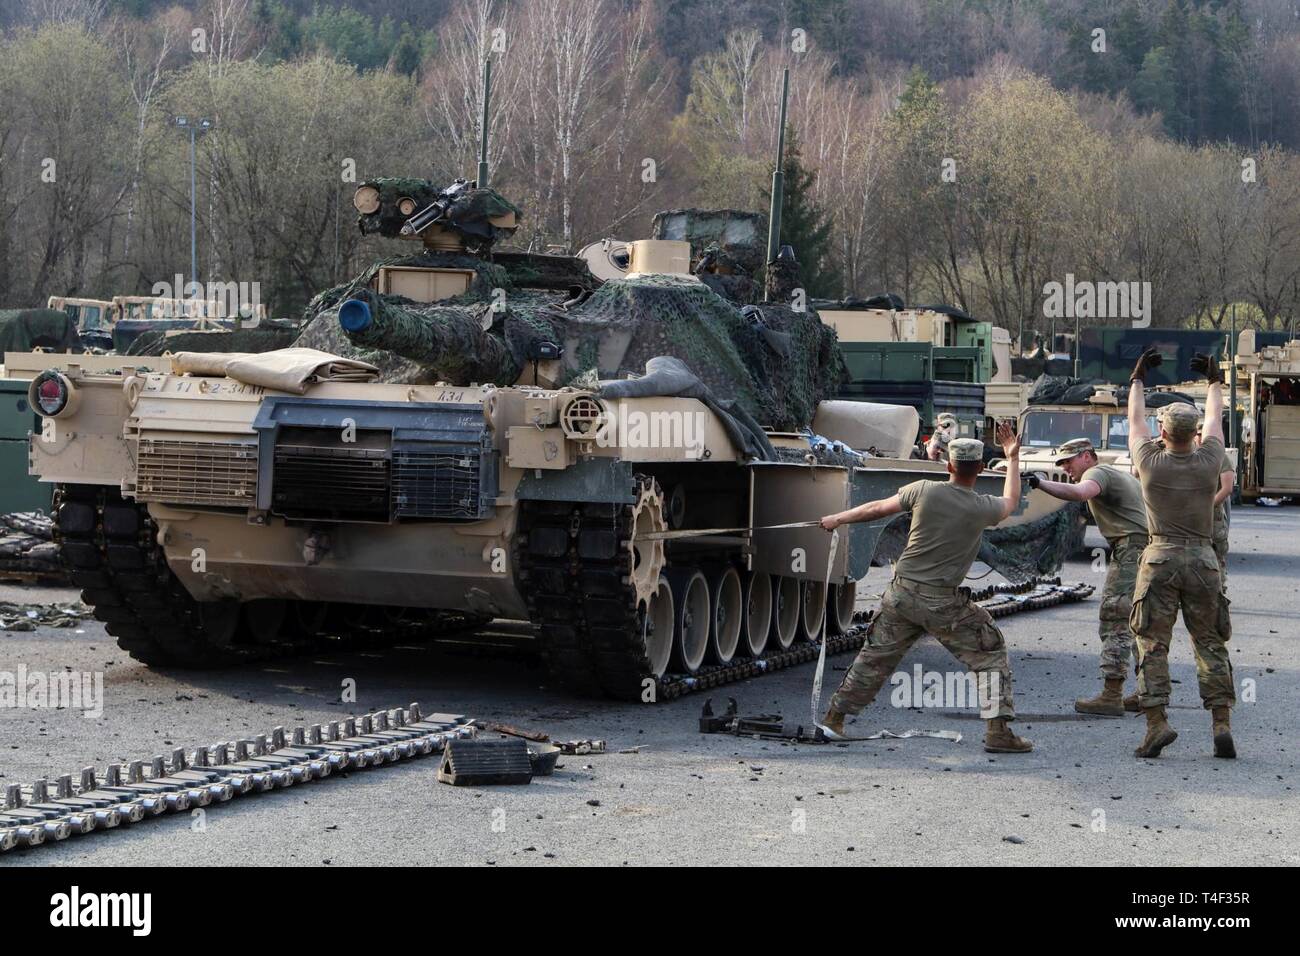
x=461, y=435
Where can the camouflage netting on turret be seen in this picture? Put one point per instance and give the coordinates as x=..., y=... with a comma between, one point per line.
x=774, y=362
x=465, y=208
x=323, y=332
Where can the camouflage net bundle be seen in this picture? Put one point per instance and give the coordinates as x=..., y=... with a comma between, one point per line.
x=261, y=338
x=627, y=322
x=1038, y=548
x=1019, y=553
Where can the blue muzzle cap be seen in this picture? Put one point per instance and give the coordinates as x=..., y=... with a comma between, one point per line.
x=354, y=315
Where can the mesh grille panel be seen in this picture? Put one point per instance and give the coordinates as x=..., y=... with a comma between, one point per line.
x=429, y=484
x=200, y=473
x=342, y=483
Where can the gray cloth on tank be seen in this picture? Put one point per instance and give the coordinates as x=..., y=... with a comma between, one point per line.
x=667, y=376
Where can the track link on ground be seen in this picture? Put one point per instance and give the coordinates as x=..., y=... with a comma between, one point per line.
x=130, y=793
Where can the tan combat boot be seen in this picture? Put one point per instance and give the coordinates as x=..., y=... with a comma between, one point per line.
x=1131, y=704
x=1159, y=734
x=999, y=739
x=834, y=721
x=1109, y=703
x=1223, y=745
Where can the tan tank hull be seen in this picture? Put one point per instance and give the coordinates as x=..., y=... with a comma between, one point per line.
x=210, y=517
x=424, y=566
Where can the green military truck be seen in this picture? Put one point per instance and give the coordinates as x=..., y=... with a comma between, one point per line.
x=932, y=379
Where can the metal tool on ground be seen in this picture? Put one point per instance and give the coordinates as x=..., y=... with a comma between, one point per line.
x=774, y=727
x=131, y=793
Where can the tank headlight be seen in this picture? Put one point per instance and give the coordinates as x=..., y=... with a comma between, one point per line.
x=51, y=394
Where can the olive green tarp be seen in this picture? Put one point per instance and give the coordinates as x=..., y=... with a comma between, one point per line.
x=22, y=330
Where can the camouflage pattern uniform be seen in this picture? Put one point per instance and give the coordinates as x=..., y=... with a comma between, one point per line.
x=1179, y=569
x=1117, y=605
x=925, y=596
x=910, y=609
x=1122, y=520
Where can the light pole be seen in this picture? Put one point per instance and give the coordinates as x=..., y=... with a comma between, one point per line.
x=195, y=130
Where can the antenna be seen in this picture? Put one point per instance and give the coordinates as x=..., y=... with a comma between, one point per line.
x=483, y=135
x=778, y=177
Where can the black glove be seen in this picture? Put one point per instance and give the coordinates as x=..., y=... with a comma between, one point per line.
x=1148, y=360
x=1035, y=479
x=1207, y=366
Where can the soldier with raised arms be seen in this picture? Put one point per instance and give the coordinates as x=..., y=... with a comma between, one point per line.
x=926, y=596
x=1115, y=499
x=1179, y=568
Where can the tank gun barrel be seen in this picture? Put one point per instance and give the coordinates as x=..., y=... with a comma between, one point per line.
x=450, y=340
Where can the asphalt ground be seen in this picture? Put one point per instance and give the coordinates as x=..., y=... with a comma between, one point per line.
x=666, y=794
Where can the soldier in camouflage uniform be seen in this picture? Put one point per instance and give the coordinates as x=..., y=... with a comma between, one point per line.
x=1115, y=499
x=925, y=596
x=1227, y=479
x=1179, y=567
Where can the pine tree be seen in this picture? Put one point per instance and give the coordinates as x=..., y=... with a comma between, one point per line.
x=805, y=225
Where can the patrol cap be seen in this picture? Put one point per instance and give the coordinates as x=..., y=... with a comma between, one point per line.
x=1180, y=420
x=965, y=449
x=1075, y=446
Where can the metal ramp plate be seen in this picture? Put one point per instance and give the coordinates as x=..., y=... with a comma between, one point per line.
x=481, y=763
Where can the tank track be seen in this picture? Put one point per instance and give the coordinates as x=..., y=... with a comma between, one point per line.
x=109, y=548
x=572, y=566
x=207, y=776
x=1000, y=600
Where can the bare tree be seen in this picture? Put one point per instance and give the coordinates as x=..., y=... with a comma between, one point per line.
x=564, y=49
x=88, y=13
x=145, y=80
x=453, y=88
